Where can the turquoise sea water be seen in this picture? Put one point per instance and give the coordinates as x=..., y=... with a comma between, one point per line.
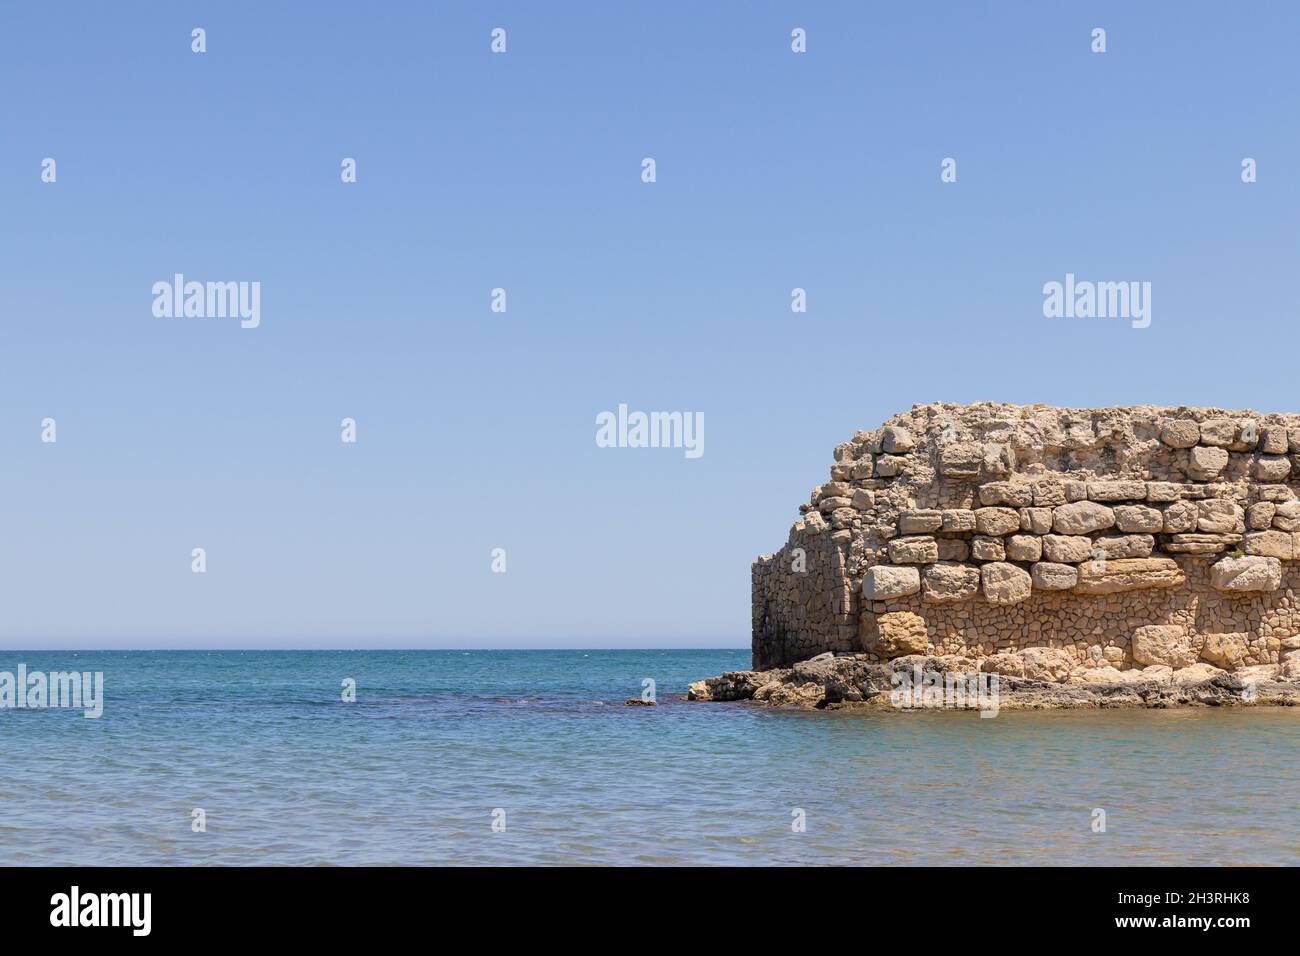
x=288, y=773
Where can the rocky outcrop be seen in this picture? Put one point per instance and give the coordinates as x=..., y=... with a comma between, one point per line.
x=1032, y=679
x=1118, y=539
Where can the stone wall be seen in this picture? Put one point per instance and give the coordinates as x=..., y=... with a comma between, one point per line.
x=1120, y=538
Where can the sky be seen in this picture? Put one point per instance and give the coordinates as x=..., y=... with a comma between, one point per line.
x=522, y=170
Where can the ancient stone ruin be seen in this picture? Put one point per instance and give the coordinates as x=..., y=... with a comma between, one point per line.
x=1058, y=544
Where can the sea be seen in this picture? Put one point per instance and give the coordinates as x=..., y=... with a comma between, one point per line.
x=495, y=757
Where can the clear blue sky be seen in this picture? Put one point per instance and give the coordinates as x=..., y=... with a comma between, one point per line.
x=476, y=430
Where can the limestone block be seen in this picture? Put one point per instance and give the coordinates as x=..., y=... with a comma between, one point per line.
x=1024, y=547
x=1205, y=464
x=890, y=466
x=1286, y=516
x=984, y=548
x=883, y=581
x=996, y=521
x=1139, y=518
x=896, y=634
x=1048, y=576
x=1160, y=491
x=1011, y=493
x=1180, y=433
x=1124, y=546
x=1180, y=517
x=1271, y=544
x=1036, y=520
x=1225, y=649
x=960, y=459
x=1117, y=490
x=1260, y=515
x=1004, y=583
x=1227, y=433
x=1272, y=467
x=1067, y=549
x=1196, y=673
x=895, y=440
x=1220, y=516
x=1081, y=517
x=1075, y=490
x=1166, y=644
x=1127, y=574
x=1048, y=493
x=958, y=519
x=1250, y=573
x=1273, y=440
x=1200, y=543
x=919, y=522
x=946, y=582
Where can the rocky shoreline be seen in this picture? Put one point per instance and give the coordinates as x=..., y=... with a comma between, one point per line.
x=836, y=681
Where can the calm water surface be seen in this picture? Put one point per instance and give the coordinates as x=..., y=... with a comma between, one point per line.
x=288, y=773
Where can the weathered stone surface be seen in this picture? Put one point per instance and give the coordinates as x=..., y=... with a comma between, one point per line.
x=1166, y=644
x=984, y=548
x=1067, y=549
x=1036, y=520
x=1013, y=494
x=958, y=519
x=1081, y=517
x=1220, y=516
x=1228, y=433
x=1286, y=516
x=898, y=633
x=1012, y=665
x=896, y=441
x=884, y=581
x=1273, y=440
x=946, y=582
x=1227, y=649
x=1049, y=664
x=920, y=522
x=1127, y=574
x=1260, y=515
x=1250, y=573
x=953, y=549
x=890, y=466
x=1180, y=517
x=1271, y=544
x=960, y=459
x=1180, y=433
x=1117, y=490
x=1004, y=583
x=1163, y=491
x=1272, y=467
x=1024, y=547
x=1048, y=576
x=1196, y=673
x=914, y=549
x=1048, y=492
x=996, y=521
x=1200, y=543
x=1124, y=546
x=1205, y=464
x=1139, y=518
